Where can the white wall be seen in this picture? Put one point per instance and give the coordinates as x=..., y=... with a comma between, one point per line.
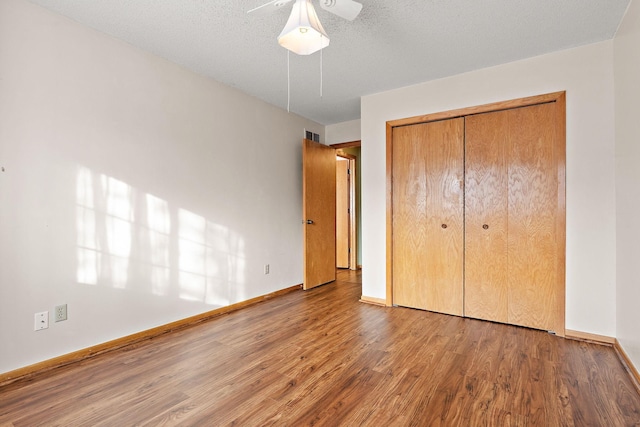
x=627, y=94
x=586, y=73
x=134, y=191
x=343, y=132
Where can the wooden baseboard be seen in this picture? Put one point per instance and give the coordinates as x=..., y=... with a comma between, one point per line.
x=628, y=364
x=602, y=339
x=585, y=336
x=373, y=300
x=28, y=372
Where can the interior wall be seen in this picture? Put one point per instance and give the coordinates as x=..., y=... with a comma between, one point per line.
x=343, y=132
x=627, y=98
x=133, y=190
x=586, y=73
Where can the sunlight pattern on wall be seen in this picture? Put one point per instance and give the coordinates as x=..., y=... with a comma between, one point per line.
x=193, y=255
x=88, y=252
x=109, y=234
x=207, y=262
x=118, y=220
x=127, y=239
x=225, y=261
x=159, y=238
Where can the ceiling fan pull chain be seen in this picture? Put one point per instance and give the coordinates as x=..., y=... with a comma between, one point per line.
x=321, y=70
x=288, y=84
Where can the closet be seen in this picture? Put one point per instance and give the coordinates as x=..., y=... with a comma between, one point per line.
x=477, y=212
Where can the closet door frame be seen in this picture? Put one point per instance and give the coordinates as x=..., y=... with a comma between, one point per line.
x=556, y=97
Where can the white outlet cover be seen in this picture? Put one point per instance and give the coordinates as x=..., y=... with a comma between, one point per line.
x=41, y=321
x=60, y=313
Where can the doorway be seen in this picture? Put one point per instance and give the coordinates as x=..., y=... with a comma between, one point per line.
x=319, y=163
x=348, y=224
x=345, y=211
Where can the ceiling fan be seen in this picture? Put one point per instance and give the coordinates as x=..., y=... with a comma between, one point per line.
x=303, y=34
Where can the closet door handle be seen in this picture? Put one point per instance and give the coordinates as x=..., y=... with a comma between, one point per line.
x=486, y=227
x=444, y=225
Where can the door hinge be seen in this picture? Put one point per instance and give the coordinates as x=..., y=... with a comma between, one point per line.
x=348, y=171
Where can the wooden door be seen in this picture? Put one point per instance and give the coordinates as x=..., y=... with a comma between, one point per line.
x=318, y=213
x=342, y=212
x=514, y=217
x=486, y=213
x=427, y=219
x=536, y=218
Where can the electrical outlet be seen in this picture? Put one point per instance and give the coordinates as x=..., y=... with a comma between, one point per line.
x=41, y=321
x=61, y=312
x=266, y=269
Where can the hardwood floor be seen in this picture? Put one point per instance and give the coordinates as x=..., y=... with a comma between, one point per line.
x=320, y=357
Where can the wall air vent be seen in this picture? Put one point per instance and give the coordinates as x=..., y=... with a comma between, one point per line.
x=312, y=136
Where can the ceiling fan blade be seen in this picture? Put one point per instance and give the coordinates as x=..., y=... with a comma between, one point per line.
x=269, y=7
x=347, y=9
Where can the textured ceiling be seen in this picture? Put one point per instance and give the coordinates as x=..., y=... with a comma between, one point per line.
x=390, y=44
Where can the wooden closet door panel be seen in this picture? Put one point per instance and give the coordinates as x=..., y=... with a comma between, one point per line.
x=428, y=216
x=535, y=299
x=486, y=214
x=409, y=192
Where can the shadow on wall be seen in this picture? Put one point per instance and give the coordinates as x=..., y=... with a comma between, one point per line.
x=129, y=239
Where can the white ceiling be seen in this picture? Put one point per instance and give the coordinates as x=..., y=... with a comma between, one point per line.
x=390, y=44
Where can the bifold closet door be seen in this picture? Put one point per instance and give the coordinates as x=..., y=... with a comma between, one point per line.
x=514, y=217
x=486, y=214
x=427, y=185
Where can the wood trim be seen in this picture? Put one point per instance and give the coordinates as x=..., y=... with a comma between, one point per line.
x=346, y=144
x=373, y=300
x=389, y=287
x=28, y=372
x=586, y=336
x=486, y=108
x=608, y=341
x=353, y=218
x=561, y=222
x=628, y=364
x=341, y=153
x=359, y=266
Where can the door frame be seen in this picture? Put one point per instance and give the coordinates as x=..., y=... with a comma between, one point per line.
x=557, y=97
x=353, y=237
x=353, y=218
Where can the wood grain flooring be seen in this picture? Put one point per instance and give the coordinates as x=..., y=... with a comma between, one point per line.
x=322, y=358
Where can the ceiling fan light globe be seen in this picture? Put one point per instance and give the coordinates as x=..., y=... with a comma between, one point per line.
x=303, y=42
x=303, y=34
